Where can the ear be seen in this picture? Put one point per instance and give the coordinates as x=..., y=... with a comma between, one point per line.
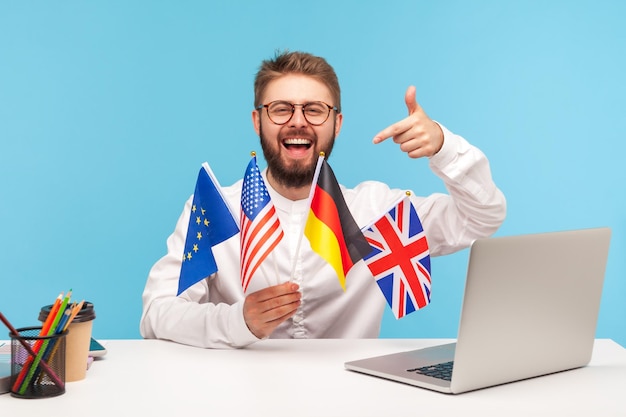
x=338, y=122
x=256, y=121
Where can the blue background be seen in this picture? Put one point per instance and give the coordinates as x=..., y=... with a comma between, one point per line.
x=108, y=109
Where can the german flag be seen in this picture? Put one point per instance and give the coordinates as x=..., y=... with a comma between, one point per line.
x=330, y=227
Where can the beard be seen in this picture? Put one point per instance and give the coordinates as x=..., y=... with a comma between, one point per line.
x=296, y=175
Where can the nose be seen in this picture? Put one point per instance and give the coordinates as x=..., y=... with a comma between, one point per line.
x=298, y=119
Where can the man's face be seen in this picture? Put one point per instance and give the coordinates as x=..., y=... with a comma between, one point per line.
x=292, y=149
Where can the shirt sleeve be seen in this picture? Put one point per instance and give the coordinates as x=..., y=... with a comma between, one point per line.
x=189, y=318
x=474, y=208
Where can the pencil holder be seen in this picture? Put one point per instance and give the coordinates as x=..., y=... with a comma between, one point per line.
x=38, y=371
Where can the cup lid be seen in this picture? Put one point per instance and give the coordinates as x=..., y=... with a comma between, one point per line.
x=86, y=313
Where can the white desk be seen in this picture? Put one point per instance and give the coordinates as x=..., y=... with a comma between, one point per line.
x=307, y=378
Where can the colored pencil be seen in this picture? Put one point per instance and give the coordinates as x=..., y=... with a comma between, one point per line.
x=75, y=312
x=51, y=316
x=63, y=321
x=48, y=356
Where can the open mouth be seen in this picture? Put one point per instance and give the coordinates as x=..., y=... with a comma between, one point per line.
x=297, y=144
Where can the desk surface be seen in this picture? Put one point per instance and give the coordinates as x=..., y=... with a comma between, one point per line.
x=307, y=378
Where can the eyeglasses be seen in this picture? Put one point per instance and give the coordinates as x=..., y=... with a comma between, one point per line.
x=280, y=112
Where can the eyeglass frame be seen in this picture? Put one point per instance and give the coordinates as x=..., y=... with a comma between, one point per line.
x=293, y=111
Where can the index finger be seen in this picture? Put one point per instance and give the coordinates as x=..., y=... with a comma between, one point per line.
x=393, y=130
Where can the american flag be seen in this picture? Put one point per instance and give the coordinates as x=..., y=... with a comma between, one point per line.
x=400, y=258
x=260, y=228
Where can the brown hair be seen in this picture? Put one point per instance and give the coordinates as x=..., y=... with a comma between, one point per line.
x=296, y=63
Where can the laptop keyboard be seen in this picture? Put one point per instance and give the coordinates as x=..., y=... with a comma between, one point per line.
x=440, y=370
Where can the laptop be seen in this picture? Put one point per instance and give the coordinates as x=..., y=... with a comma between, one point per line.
x=530, y=308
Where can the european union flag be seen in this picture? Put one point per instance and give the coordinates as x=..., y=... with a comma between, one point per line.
x=211, y=222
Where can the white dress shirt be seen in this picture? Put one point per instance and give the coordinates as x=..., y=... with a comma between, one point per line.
x=210, y=313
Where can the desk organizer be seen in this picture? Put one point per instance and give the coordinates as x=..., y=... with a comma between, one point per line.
x=40, y=375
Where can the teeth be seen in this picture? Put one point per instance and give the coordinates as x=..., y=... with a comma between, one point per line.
x=297, y=141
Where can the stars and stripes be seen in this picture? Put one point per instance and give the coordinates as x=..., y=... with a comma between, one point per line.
x=260, y=227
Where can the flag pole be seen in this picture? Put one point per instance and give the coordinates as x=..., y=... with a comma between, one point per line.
x=262, y=270
x=320, y=160
x=275, y=268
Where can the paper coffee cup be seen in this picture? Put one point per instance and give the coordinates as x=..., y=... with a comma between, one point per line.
x=76, y=342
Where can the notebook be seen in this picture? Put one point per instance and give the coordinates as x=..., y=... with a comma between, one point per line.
x=5, y=367
x=530, y=308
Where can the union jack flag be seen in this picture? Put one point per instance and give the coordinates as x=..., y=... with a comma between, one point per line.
x=260, y=228
x=400, y=258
